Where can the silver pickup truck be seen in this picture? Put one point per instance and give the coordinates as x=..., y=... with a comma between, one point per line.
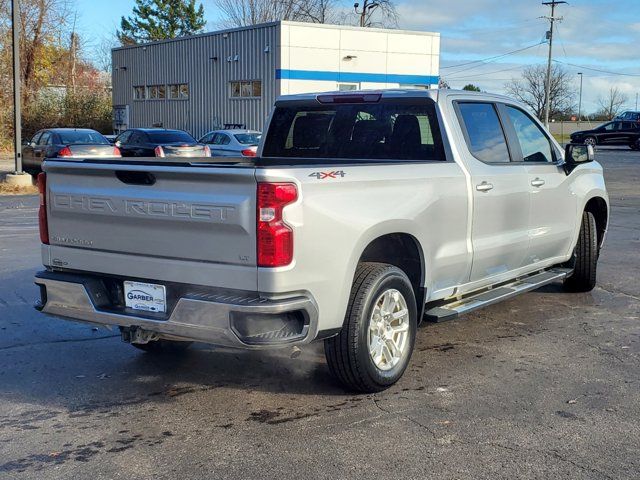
x=363, y=214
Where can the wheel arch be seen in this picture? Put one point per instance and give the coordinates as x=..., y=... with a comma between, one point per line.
x=404, y=251
x=599, y=208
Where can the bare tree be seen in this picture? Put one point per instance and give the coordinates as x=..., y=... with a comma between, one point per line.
x=241, y=13
x=611, y=104
x=530, y=90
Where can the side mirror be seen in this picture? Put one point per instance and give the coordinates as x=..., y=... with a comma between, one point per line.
x=117, y=143
x=577, y=154
x=26, y=143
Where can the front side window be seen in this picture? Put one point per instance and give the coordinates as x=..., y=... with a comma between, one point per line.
x=535, y=145
x=611, y=126
x=376, y=131
x=485, y=137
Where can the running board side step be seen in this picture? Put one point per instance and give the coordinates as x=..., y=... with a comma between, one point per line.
x=459, y=306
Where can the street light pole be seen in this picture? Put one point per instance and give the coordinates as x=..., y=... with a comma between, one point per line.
x=17, y=120
x=580, y=101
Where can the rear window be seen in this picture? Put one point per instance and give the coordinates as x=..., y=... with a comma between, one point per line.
x=248, y=138
x=82, y=138
x=172, y=136
x=380, y=131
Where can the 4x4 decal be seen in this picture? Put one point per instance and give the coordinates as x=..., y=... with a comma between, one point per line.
x=325, y=175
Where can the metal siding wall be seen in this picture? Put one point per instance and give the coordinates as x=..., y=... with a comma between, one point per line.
x=189, y=61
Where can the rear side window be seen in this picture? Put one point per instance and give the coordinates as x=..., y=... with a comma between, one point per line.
x=535, y=145
x=377, y=131
x=484, y=134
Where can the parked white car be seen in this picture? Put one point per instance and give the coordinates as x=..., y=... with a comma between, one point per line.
x=232, y=143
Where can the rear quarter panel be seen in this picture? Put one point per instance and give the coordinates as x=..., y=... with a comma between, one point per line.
x=334, y=220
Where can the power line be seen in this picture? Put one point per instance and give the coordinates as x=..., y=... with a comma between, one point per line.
x=489, y=59
x=599, y=70
x=483, y=74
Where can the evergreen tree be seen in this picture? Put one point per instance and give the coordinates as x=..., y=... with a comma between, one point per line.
x=160, y=20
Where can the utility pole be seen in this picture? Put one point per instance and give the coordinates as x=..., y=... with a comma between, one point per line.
x=580, y=101
x=17, y=119
x=552, y=19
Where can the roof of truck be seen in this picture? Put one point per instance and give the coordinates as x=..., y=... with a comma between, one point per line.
x=434, y=94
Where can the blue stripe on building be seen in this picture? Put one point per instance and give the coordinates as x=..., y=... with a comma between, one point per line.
x=354, y=77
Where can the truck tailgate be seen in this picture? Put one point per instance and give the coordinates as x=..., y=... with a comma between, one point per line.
x=107, y=216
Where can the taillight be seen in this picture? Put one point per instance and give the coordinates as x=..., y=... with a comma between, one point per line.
x=207, y=151
x=248, y=152
x=42, y=211
x=65, y=152
x=159, y=151
x=117, y=152
x=275, y=238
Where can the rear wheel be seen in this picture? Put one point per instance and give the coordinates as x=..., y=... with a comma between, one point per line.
x=375, y=344
x=585, y=257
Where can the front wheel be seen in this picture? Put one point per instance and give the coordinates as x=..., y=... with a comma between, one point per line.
x=585, y=257
x=374, y=347
x=590, y=141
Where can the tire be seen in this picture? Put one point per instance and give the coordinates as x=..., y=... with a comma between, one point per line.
x=585, y=257
x=591, y=141
x=348, y=354
x=163, y=346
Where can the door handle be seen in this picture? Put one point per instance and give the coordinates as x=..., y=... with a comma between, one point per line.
x=538, y=182
x=484, y=187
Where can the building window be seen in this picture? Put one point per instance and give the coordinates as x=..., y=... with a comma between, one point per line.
x=246, y=89
x=157, y=92
x=139, y=93
x=348, y=87
x=179, y=91
x=410, y=86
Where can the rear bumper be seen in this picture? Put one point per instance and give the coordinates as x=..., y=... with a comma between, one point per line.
x=215, y=316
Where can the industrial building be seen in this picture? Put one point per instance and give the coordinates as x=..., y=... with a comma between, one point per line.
x=206, y=81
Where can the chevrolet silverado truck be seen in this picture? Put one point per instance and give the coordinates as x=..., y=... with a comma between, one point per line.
x=363, y=214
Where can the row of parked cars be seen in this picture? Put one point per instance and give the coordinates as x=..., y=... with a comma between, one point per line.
x=158, y=142
x=135, y=142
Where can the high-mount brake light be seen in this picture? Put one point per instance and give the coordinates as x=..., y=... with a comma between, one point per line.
x=42, y=211
x=350, y=98
x=275, y=237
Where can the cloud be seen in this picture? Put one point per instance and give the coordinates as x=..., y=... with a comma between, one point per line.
x=592, y=33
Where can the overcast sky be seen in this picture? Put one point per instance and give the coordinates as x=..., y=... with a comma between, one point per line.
x=599, y=34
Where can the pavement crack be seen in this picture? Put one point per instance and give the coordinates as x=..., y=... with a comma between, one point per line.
x=613, y=292
x=53, y=342
x=405, y=416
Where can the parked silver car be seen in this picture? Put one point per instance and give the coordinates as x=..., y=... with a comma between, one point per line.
x=232, y=143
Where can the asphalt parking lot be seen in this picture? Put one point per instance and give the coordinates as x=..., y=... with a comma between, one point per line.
x=544, y=386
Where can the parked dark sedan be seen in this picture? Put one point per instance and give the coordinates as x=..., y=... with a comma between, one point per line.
x=611, y=133
x=65, y=142
x=158, y=142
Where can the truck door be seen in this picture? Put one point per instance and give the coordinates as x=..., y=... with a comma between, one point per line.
x=501, y=200
x=553, y=208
